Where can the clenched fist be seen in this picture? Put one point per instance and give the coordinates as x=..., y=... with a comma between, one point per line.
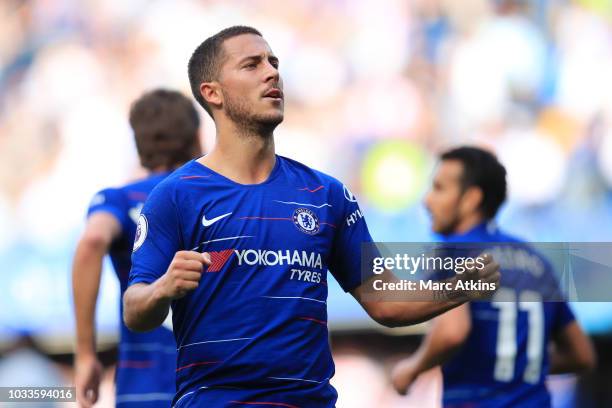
x=183, y=274
x=480, y=283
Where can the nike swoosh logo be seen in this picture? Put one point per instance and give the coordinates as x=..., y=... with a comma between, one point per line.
x=208, y=223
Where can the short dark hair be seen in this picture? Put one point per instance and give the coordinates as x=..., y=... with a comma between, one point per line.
x=165, y=125
x=481, y=169
x=206, y=59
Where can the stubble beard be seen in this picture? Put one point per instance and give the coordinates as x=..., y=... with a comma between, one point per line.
x=450, y=227
x=250, y=124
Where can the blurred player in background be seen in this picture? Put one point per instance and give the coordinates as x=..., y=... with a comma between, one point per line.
x=493, y=354
x=250, y=313
x=166, y=131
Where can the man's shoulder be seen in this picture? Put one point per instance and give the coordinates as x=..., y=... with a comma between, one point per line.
x=145, y=183
x=503, y=236
x=524, y=248
x=490, y=231
x=173, y=181
x=325, y=180
x=138, y=190
x=113, y=196
x=512, y=241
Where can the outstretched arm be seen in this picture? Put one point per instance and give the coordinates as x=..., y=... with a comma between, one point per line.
x=403, y=313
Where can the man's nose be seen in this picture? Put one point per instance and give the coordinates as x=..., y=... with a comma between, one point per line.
x=272, y=73
x=427, y=201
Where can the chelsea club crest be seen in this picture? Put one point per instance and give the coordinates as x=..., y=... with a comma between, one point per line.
x=142, y=227
x=306, y=221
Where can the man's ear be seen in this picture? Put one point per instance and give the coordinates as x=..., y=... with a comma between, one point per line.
x=211, y=92
x=472, y=199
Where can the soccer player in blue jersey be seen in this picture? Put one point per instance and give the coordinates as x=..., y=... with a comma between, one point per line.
x=493, y=354
x=166, y=131
x=239, y=242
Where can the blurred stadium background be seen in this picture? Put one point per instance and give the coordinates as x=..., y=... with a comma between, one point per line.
x=374, y=89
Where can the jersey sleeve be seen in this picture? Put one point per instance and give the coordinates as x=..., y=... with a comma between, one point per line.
x=158, y=236
x=563, y=316
x=110, y=200
x=351, y=232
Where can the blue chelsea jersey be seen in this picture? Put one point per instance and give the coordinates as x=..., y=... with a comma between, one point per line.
x=504, y=361
x=255, y=329
x=145, y=367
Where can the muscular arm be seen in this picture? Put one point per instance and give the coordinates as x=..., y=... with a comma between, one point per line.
x=572, y=351
x=447, y=334
x=145, y=306
x=402, y=313
x=101, y=229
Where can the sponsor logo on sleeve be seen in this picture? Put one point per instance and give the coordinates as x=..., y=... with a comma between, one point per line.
x=141, y=231
x=348, y=195
x=353, y=217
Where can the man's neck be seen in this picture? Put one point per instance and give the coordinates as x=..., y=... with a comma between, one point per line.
x=242, y=156
x=468, y=223
x=159, y=169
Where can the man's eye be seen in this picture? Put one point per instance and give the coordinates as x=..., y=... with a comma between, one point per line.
x=252, y=65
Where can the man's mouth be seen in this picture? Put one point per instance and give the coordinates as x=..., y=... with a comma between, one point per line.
x=274, y=93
